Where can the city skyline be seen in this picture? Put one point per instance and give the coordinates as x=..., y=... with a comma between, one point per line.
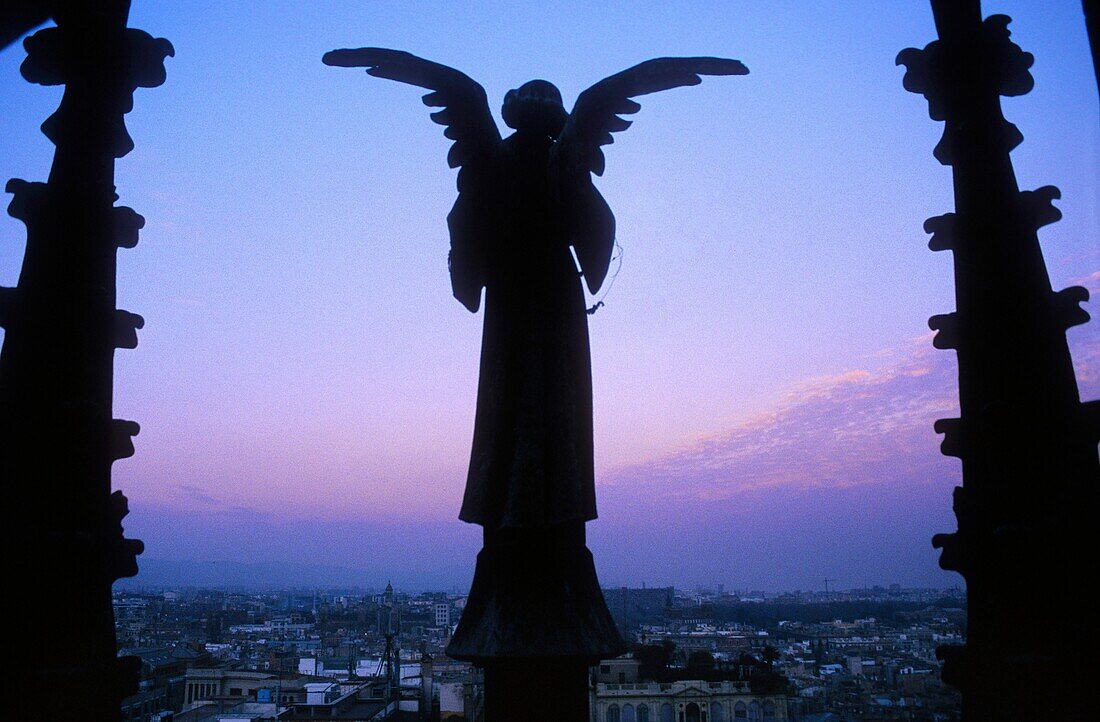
x=765, y=385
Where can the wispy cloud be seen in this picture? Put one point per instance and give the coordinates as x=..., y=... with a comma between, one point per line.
x=842, y=478
x=1091, y=281
x=195, y=494
x=863, y=426
x=856, y=427
x=196, y=499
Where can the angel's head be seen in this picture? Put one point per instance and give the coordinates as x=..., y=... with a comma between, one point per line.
x=535, y=107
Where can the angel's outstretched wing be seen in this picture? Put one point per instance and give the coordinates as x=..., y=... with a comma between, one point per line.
x=596, y=113
x=594, y=118
x=465, y=109
x=465, y=112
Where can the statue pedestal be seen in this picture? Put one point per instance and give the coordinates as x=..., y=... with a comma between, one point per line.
x=535, y=621
x=537, y=690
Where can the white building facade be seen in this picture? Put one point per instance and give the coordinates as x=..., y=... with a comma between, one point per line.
x=442, y=614
x=686, y=701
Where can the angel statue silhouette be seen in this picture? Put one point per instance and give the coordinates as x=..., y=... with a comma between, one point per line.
x=522, y=203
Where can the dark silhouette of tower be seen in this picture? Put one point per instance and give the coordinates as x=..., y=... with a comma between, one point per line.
x=1028, y=503
x=58, y=440
x=389, y=666
x=1092, y=25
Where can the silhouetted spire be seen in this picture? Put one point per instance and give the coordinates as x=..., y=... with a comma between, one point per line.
x=1027, y=444
x=57, y=435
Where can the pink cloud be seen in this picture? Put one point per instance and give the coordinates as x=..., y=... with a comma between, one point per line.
x=842, y=478
x=1091, y=281
x=865, y=426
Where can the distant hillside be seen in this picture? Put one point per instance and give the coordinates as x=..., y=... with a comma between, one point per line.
x=256, y=575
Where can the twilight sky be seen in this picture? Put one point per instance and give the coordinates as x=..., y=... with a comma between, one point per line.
x=765, y=385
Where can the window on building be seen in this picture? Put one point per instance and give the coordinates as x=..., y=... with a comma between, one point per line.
x=769, y=711
x=666, y=713
x=628, y=713
x=692, y=713
x=754, y=711
x=643, y=713
x=235, y=692
x=605, y=669
x=613, y=714
x=717, y=712
x=740, y=711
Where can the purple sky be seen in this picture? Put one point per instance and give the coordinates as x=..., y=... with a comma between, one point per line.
x=765, y=383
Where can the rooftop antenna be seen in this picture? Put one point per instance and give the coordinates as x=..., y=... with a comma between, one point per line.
x=279, y=687
x=390, y=664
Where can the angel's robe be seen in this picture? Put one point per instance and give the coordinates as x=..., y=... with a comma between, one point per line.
x=511, y=230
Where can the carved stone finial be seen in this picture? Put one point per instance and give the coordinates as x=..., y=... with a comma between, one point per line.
x=1067, y=306
x=126, y=328
x=122, y=438
x=127, y=223
x=951, y=429
x=123, y=552
x=943, y=229
x=947, y=326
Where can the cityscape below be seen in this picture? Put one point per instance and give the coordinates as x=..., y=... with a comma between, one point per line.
x=706, y=654
x=815, y=505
